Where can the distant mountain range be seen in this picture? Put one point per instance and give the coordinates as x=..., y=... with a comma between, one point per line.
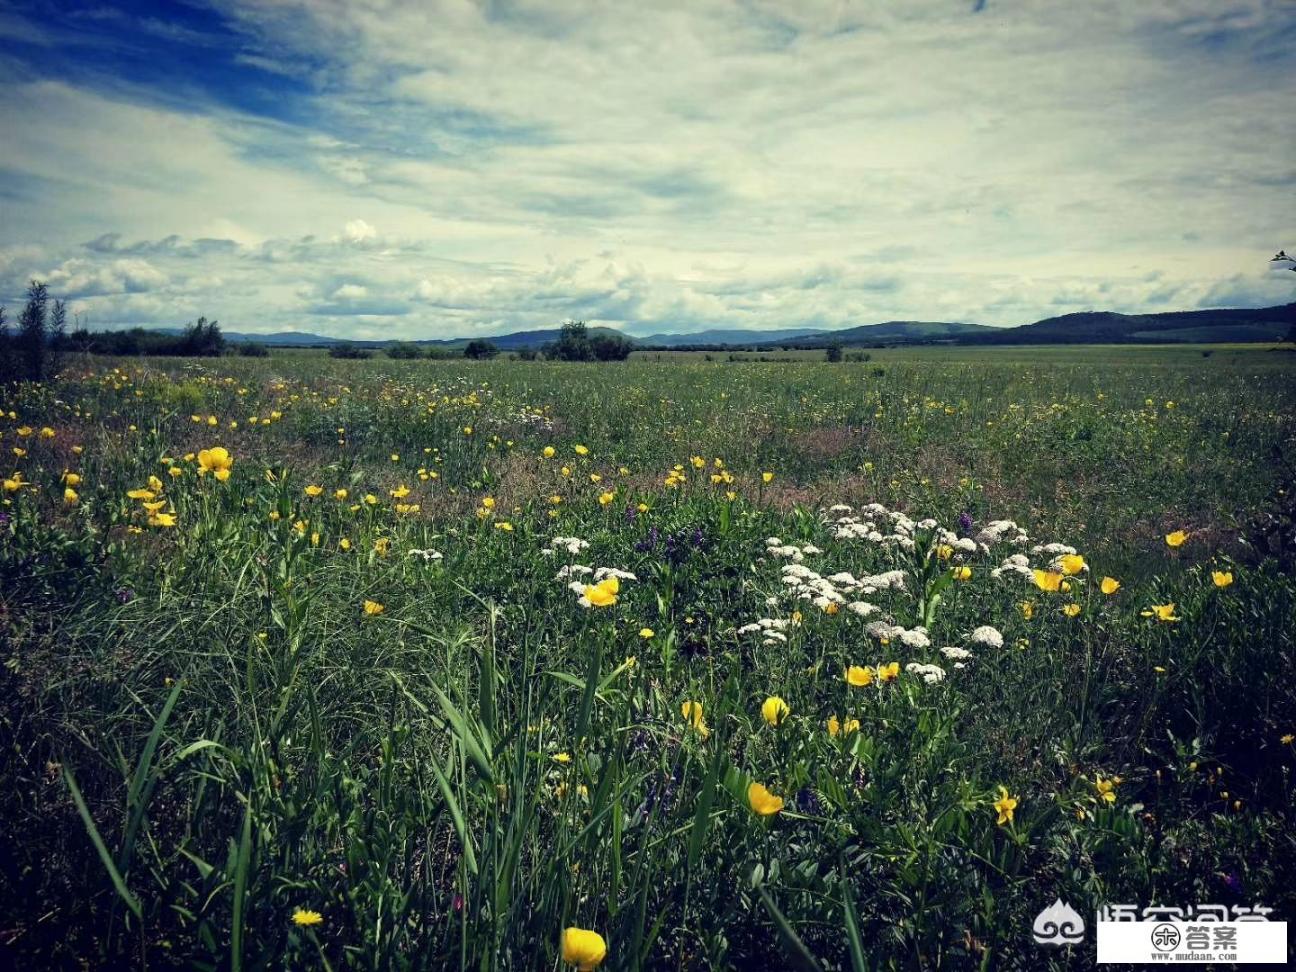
x=1090, y=327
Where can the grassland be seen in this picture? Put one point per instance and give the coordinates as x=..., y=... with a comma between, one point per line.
x=294, y=637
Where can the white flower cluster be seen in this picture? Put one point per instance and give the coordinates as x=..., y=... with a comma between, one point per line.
x=777, y=548
x=810, y=585
x=986, y=635
x=770, y=630
x=572, y=545
x=428, y=556
x=870, y=525
x=931, y=674
x=909, y=637
x=1017, y=564
x=1001, y=531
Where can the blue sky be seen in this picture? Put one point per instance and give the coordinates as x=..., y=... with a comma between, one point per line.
x=372, y=168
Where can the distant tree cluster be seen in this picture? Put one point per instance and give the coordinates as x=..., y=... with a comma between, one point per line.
x=575, y=343
x=200, y=339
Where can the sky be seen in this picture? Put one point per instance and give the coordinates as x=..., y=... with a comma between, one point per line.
x=381, y=169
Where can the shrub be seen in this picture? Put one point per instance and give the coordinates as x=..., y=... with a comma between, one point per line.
x=480, y=349
x=404, y=351
x=251, y=349
x=353, y=351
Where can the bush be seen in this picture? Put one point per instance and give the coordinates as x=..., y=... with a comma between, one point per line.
x=608, y=347
x=404, y=351
x=527, y=354
x=251, y=349
x=480, y=349
x=834, y=353
x=352, y=351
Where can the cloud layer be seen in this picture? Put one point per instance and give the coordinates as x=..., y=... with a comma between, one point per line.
x=416, y=170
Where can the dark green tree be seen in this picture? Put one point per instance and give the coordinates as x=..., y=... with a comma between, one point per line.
x=31, y=339
x=480, y=349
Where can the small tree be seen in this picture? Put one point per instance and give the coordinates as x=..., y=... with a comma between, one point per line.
x=31, y=333
x=609, y=347
x=58, y=338
x=834, y=353
x=478, y=350
x=573, y=343
x=6, y=350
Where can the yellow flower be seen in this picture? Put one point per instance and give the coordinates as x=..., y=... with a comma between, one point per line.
x=1005, y=806
x=961, y=573
x=766, y=477
x=762, y=801
x=400, y=492
x=504, y=525
x=71, y=479
x=1048, y=580
x=47, y=433
x=382, y=545
x=889, y=672
x=1222, y=578
x=175, y=472
x=373, y=608
x=563, y=758
x=313, y=490
x=1028, y=609
x=340, y=494
x=1176, y=539
x=141, y=494
x=606, y=498
x=646, y=633
x=370, y=499
x=774, y=710
x=70, y=496
x=604, y=593
x=162, y=520
x=1071, y=564
x=584, y=949
x=216, y=461
x=836, y=727
x=1106, y=789
x=582, y=451
x=698, y=462
x=1287, y=739
x=1163, y=612
x=1110, y=585
x=344, y=544
x=1071, y=610
x=548, y=452
x=859, y=675
x=488, y=502
x=692, y=711
x=303, y=918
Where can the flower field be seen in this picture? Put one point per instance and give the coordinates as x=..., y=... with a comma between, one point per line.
x=694, y=665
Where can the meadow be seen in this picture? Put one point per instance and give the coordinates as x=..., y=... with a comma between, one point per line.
x=675, y=664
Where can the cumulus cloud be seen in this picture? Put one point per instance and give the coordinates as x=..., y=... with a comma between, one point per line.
x=762, y=165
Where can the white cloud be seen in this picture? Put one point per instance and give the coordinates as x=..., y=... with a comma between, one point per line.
x=656, y=167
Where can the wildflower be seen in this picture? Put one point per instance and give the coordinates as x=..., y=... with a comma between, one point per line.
x=14, y=483
x=370, y=499
x=986, y=635
x=162, y=520
x=1048, y=580
x=774, y=710
x=889, y=672
x=563, y=758
x=548, y=452
x=1287, y=739
x=70, y=496
x=1005, y=806
x=766, y=477
x=488, y=503
x=584, y=949
x=606, y=498
x=504, y=525
x=313, y=490
x=141, y=494
x=961, y=573
x=400, y=492
x=762, y=801
x=304, y=918
x=1222, y=578
x=836, y=727
x=344, y=544
x=1109, y=585
x=373, y=608
x=1071, y=610
x=340, y=494
x=692, y=711
x=646, y=633
x=1176, y=539
x=71, y=479
x=1162, y=612
x=1106, y=789
x=382, y=546
x=1071, y=564
x=859, y=675
x=216, y=461
x=1028, y=609
x=602, y=594
x=582, y=451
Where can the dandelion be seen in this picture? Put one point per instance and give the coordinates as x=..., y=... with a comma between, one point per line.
x=859, y=675
x=1109, y=585
x=216, y=461
x=312, y=491
x=762, y=801
x=583, y=948
x=373, y=608
x=692, y=712
x=1176, y=539
x=340, y=494
x=1048, y=580
x=548, y=452
x=1222, y=578
x=563, y=758
x=582, y=451
x=774, y=710
x=304, y=918
x=1162, y=612
x=767, y=477
x=1005, y=806
x=1071, y=564
x=606, y=498
x=646, y=633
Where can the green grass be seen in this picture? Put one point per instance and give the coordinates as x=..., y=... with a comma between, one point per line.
x=205, y=730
